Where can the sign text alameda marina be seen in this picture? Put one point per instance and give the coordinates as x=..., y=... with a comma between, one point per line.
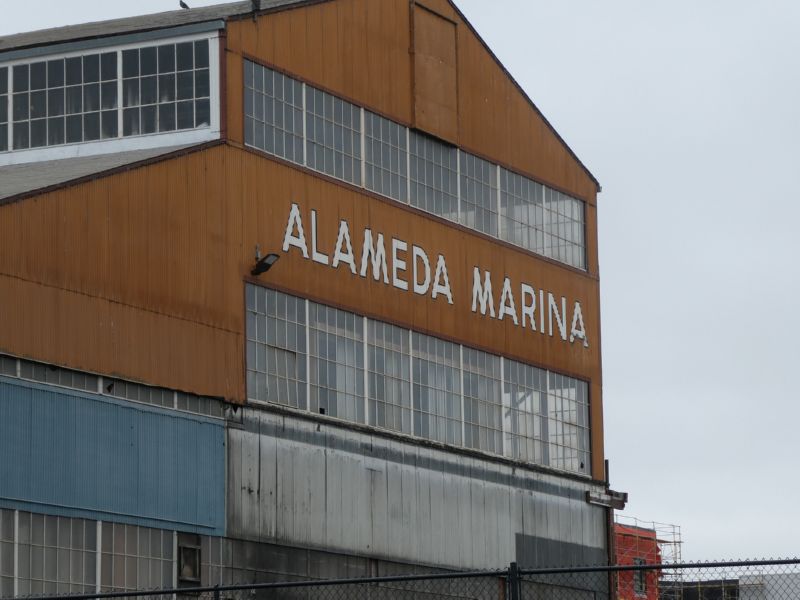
x=411, y=271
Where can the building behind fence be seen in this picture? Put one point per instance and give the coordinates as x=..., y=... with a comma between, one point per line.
x=731, y=580
x=290, y=289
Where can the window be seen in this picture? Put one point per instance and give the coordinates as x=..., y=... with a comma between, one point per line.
x=568, y=423
x=276, y=347
x=524, y=400
x=3, y=109
x=6, y=553
x=437, y=389
x=367, y=371
x=639, y=578
x=57, y=555
x=389, y=376
x=434, y=176
x=57, y=376
x=139, y=393
x=483, y=428
x=336, y=362
x=135, y=558
x=333, y=132
x=321, y=131
x=75, y=98
x=166, y=88
x=541, y=219
x=273, y=108
x=478, y=194
x=62, y=100
x=386, y=151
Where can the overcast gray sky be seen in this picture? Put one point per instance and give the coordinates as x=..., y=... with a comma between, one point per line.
x=688, y=112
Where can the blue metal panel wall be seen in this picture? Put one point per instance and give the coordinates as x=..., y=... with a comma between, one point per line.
x=65, y=452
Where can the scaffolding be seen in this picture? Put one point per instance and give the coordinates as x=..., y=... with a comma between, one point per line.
x=651, y=542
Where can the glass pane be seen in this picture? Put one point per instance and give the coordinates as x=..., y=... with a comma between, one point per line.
x=91, y=68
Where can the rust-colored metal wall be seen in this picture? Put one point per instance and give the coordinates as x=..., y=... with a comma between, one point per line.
x=435, y=74
x=140, y=274
x=364, y=51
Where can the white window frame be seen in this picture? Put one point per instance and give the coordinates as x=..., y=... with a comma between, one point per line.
x=120, y=143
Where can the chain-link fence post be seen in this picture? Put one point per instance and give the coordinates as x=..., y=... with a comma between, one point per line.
x=513, y=581
x=216, y=592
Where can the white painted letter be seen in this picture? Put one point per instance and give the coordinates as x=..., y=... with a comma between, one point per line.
x=398, y=264
x=338, y=255
x=289, y=239
x=438, y=286
x=482, y=294
x=419, y=253
x=541, y=311
x=316, y=256
x=578, y=331
x=560, y=318
x=528, y=309
x=507, y=306
x=375, y=255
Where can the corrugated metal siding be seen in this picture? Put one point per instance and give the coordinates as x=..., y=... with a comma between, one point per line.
x=75, y=454
x=344, y=490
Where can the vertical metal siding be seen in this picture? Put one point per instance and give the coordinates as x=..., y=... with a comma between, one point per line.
x=294, y=482
x=76, y=454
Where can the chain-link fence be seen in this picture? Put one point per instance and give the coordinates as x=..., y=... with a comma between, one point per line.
x=740, y=580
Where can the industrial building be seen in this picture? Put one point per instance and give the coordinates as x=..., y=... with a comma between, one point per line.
x=290, y=289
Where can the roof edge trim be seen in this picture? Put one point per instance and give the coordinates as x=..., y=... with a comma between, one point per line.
x=525, y=95
x=112, y=40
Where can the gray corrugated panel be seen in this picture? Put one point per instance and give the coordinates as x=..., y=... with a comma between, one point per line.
x=28, y=177
x=321, y=485
x=172, y=18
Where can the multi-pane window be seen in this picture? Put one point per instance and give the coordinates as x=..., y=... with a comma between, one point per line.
x=3, y=109
x=524, y=404
x=139, y=393
x=414, y=384
x=385, y=155
x=57, y=555
x=322, y=131
x=434, y=176
x=389, y=365
x=336, y=362
x=64, y=100
x=273, y=112
x=568, y=427
x=135, y=558
x=165, y=88
x=58, y=376
x=542, y=219
x=276, y=347
x=639, y=578
x=8, y=366
x=483, y=427
x=118, y=388
x=437, y=389
x=564, y=228
x=6, y=553
x=478, y=194
x=333, y=132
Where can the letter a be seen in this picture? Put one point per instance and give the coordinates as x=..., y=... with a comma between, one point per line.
x=299, y=240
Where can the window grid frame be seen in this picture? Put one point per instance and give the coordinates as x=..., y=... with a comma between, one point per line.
x=139, y=106
x=538, y=419
x=5, y=108
x=120, y=141
x=397, y=380
x=347, y=340
x=570, y=252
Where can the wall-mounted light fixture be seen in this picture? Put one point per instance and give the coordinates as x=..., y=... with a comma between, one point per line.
x=263, y=263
